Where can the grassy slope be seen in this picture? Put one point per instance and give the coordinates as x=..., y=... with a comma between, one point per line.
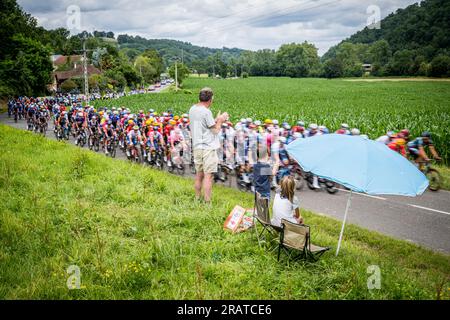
x=138, y=233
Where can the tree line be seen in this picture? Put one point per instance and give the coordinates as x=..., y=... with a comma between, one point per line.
x=411, y=42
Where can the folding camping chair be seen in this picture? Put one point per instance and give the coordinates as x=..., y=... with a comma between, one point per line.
x=296, y=237
x=262, y=217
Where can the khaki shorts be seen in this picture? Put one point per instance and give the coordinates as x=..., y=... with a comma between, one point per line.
x=206, y=161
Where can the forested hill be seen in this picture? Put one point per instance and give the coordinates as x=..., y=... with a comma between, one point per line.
x=171, y=49
x=422, y=26
x=407, y=42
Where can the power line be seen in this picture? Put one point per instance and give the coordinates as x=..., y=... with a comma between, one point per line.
x=254, y=19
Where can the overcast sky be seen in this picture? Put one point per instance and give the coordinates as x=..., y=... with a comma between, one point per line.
x=246, y=24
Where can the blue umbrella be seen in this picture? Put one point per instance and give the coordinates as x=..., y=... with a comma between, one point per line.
x=360, y=164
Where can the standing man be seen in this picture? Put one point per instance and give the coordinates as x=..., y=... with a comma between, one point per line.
x=205, y=142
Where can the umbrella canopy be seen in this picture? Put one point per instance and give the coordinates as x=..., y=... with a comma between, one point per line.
x=360, y=164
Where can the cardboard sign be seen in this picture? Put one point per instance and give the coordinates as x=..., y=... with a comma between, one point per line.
x=246, y=221
x=234, y=219
x=239, y=220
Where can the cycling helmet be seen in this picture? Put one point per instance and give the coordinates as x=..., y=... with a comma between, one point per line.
x=426, y=134
x=390, y=134
x=267, y=121
x=80, y=114
x=300, y=123
x=287, y=127
x=345, y=126
x=355, y=132
x=185, y=115
x=224, y=125
x=176, y=118
x=185, y=120
x=172, y=122
x=130, y=122
x=405, y=132
x=141, y=111
x=275, y=122
x=151, y=111
x=257, y=122
x=148, y=122
x=110, y=122
x=156, y=128
x=400, y=142
x=313, y=126
x=243, y=121
x=249, y=120
x=297, y=135
x=135, y=128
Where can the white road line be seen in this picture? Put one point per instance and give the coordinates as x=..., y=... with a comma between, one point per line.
x=365, y=195
x=429, y=209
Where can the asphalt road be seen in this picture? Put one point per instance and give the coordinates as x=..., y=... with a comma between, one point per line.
x=424, y=220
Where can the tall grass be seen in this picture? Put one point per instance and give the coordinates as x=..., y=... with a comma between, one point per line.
x=136, y=233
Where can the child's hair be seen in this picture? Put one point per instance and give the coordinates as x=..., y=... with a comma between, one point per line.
x=288, y=188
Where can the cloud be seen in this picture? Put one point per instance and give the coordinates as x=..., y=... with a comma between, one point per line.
x=249, y=24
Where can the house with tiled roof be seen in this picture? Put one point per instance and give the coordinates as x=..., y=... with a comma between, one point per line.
x=68, y=67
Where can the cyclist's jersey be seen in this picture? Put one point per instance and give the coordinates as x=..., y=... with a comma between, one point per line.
x=176, y=136
x=43, y=114
x=298, y=129
x=308, y=133
x=109, y=132
x=79, y=120
x=31, y=111
x=186, y=131
x=93, y=123
x=155, y=138
x=62, y=120
x=397, y=148
x=419, y=142
x=134, y=137
x=115, y=119
x=279, y=149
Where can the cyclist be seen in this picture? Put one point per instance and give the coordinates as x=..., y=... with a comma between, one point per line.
x=109, y=133
x=386, y=139
x=134, y=138
x=313, y=129
x=398, y=145
x=417, y=149
x=176, y=141
x=344, y=129
x=280, y=159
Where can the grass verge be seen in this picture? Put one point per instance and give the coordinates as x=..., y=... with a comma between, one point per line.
x=136, y=233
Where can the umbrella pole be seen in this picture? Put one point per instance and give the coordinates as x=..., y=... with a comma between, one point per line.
x=349, y=201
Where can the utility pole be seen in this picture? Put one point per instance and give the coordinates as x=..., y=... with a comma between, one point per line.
x=142, y=79
x=214, y=71
x=85, y=70
x=176, y=75
x=182, y=56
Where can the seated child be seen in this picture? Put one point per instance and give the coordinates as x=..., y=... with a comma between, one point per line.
x=286, y=204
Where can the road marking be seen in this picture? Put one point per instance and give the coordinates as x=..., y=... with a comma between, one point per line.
x=429, y=209
x=365, y=195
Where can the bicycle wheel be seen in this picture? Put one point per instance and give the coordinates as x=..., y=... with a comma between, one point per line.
x=435, y=179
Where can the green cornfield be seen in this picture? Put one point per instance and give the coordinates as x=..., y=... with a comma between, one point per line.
x=372, y=107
